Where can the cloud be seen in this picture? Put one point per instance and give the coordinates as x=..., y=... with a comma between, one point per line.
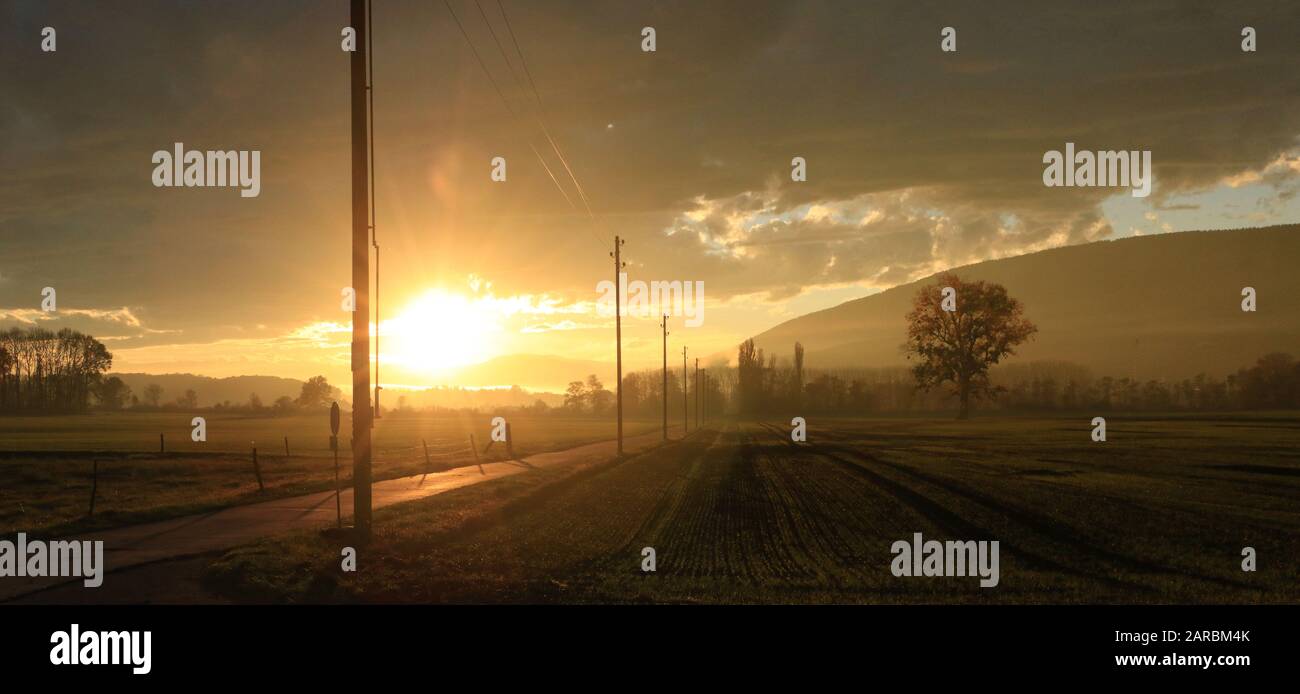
x=120, y=317
x=916, y=159
x=767, y=242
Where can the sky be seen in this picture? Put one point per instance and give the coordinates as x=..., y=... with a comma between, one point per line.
x=917, y=160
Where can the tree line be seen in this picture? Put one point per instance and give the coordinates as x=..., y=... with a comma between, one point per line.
x=42, y=371
x=643, y=394
x=46, y=372
x=1271, y=383
x=957, y=337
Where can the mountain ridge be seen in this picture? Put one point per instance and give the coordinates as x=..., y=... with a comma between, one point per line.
x=1166, y=306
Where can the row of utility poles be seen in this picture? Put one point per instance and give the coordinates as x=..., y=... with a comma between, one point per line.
x=364, y=238
x=701, y=377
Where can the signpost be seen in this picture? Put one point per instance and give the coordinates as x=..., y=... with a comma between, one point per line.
x=334, y=446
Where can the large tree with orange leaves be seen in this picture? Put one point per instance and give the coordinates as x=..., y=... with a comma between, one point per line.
x=957, y=347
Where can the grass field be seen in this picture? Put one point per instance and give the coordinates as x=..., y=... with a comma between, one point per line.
x=46, y=462
x=1158, y=513
x=137, y=432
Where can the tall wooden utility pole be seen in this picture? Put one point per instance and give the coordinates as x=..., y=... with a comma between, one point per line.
x=374, y=233
x=686, y=380
x=697, y=393
x=664, y=324
x=360, y=278
x=618, y=333
x=704, y=399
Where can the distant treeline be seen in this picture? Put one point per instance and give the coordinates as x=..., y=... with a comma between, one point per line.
x=1271, y=383
x=768, y=385
x=316, y=394
x=46, y=372
x=643, y=394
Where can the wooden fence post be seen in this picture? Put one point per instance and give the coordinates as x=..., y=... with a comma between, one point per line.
x=474, y=448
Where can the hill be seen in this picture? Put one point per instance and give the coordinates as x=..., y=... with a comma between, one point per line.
x=210, y=390
x=1165, y=306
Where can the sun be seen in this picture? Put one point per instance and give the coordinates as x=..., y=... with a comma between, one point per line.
x=440, y=330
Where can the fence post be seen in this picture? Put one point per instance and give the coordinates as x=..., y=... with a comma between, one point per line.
x=161, y=447
x=474, y=447
x=427, y=463
x=257, y=470
x=286, y=446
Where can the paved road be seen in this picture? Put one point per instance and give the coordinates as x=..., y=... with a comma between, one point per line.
x=217, y=530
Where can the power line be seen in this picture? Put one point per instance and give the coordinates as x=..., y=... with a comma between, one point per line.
x=506, y=102
x=497, y=41
x=541, y=109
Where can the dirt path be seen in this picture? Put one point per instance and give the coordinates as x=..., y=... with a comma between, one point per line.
x=187, y=536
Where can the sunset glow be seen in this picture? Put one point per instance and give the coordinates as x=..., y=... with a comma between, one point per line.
x=421, y=340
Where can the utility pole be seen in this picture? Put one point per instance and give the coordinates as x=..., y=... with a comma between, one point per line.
x=686, y=422
x=704, y=399
x=618, y=333
x=370, y=181
x=378, y=412
x=697, y=393
x=664, y=324
x=360, y=278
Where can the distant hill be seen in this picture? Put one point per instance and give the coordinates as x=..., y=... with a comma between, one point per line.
x=541, y=377
x=469, y=399
x=534, y=372
x=211, y=391
x=1166, y=306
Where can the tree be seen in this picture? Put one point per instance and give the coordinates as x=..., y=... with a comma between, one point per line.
x=315, y=393
x=750, y=377
x=254, y=402
x=283, y=405
x=1271, y=383
x=111, y=393
x=797, y=395
x=958, y=347
x=599, y=398
x=574, y=396
x=188, y=401
x=153, y=394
